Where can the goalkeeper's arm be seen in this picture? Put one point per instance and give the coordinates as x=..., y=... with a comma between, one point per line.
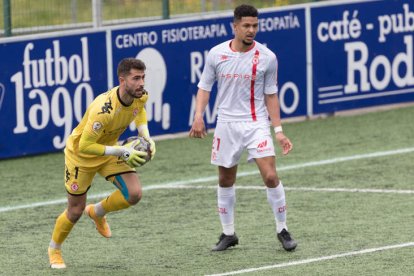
x=133, y=157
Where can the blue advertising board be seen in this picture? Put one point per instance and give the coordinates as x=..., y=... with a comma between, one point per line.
x=331, y=57
x=362, y=55
x=175, y=54
x=45, y=87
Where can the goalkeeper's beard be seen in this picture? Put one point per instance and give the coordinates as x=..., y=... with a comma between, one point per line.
x=131, y=92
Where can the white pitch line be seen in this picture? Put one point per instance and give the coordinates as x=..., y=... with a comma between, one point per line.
x=214, y=178
x=308, y=189
x=351, y=190
x=183, y=186
x=313, y=260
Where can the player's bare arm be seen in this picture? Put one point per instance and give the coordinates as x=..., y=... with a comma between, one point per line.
x=198, y=129
x=273, y=108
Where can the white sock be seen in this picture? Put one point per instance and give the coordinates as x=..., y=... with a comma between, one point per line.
x=226, y=198
x=54, y=245
x=99, y=210
x=276, y=199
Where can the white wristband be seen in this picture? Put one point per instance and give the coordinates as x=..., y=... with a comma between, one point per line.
x=143, y=130
x=278, y=129
x=115, y=151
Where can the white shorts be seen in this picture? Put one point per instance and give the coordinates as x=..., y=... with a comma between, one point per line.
x=232, y=138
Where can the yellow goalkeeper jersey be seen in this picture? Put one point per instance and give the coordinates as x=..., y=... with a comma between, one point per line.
x=104, y=121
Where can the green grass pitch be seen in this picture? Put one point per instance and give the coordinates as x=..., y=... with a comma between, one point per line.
x=349, y=187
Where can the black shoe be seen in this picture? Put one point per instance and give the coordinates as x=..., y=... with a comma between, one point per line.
x=225, y=242
x=288, y=243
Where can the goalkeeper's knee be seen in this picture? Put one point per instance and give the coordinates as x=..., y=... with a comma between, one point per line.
x=132, y=195
x=134, y=198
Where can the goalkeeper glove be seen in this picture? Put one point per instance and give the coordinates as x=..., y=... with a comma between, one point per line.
x=144, y=132
x=133, y=157
x=152, y=146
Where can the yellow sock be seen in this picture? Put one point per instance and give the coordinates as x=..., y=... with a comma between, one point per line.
x=115, y=202
x=62, y=228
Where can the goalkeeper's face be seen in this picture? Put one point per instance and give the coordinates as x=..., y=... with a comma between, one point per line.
x=134, y=83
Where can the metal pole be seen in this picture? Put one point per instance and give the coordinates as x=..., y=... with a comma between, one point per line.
x=7, y=18
x=203, y=6
x=74, y=10
x=97, y=13
x=215, y=5
x=165, y=9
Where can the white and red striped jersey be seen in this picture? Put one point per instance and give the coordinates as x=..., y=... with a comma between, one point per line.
x=242, y=80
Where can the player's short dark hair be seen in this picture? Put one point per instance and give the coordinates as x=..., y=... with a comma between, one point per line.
x=126, y=64
x=244, y=11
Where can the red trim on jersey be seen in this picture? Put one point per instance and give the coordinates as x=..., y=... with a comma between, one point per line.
x=255, y=61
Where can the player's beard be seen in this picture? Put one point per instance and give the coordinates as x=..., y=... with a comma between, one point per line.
x=248, y=40
x=131, y=92
x=246, y=43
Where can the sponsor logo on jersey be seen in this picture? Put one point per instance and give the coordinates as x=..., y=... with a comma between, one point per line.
x=67, y=174
x=263, y=147
x=107, y=107
x=262, y=144
x=236, y=76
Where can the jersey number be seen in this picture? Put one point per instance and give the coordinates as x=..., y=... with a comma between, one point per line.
x=216, y=143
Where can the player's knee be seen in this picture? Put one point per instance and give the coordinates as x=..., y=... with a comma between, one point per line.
x=271, y=179
x=135, y=197
x=74, y=214
x=226, y=180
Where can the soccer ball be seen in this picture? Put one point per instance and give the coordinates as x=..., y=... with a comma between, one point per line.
x=140, y=144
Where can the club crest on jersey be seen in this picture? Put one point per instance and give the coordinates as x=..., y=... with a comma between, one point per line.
x=255, y=60
x=107, y=107
x=74, y=187
x=224, y=57
x=135, y=112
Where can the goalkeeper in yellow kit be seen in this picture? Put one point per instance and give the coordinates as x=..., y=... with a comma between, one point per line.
x=92, y=148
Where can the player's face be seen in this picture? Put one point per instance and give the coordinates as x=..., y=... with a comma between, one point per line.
x=134, y=83
x=245, y=29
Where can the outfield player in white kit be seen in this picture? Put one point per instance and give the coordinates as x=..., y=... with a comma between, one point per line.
x=246, y=74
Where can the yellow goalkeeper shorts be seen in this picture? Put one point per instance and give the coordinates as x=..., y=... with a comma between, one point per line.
x=78, y=178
